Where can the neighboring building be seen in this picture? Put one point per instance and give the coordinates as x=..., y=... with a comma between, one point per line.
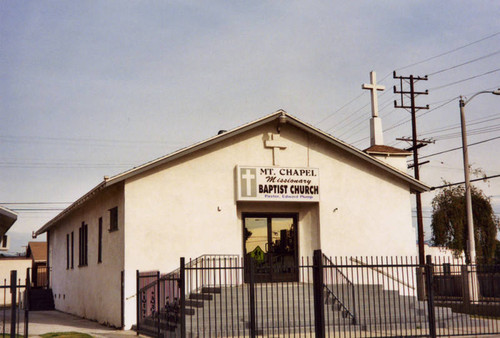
x=276, y=183
x=8, y=262
x=7, y=218
x=37, y=252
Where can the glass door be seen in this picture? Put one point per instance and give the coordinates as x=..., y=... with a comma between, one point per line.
x=271, y=241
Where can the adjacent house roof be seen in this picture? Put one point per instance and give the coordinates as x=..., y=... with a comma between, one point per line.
x=279, y=115
x=7, y=218
x=386, y=150
x=37, y=251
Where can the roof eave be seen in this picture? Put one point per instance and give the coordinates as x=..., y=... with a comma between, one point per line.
x=69, y=209
x=188, y=150
x=415, y=185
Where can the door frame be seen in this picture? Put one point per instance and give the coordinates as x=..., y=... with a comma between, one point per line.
x=269, y=216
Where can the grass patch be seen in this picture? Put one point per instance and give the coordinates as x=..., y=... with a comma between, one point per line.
x=66, y=335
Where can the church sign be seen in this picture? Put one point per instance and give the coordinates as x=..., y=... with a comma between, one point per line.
x=277, y=184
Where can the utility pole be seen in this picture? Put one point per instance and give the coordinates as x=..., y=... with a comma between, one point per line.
x=411, y=106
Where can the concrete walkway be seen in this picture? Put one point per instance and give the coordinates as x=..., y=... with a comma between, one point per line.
x=41, y=322
x=54, y=321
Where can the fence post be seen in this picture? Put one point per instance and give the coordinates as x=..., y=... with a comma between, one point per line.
x=464, y=275
x=252, y=298
x=27, y=302
x=182, y=287
x=319, y=298
x=158, y=303
x=13, y=301
x=138, y=299
x=430, y=295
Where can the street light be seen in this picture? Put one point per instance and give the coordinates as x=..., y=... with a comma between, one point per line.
x=468, y=198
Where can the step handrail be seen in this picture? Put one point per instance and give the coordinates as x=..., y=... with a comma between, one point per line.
x=397, y=280
x=328, y=262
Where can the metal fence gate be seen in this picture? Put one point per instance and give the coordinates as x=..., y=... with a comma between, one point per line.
x=340, y=297
x=14, y=316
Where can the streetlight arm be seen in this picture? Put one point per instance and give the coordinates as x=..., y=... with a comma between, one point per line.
x=494, y=92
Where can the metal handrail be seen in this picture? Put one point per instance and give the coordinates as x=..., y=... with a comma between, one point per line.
x=195, y=262
x=397, y=280
x=327, y=261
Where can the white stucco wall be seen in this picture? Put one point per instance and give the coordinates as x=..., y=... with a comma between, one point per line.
x=188, y=208
x=363, y=210
x=92, y=291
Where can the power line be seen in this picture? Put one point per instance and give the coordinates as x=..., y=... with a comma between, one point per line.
x=476, y=131
x=457, y=148
x=467, y=79
x=32, y=203
x=474, y=180
x=93, y=141
x=414, y=64
x=455, y=126
x=47, y=165
x=335, y=112
x=450, y=51
x=406, y=120
x=37, y=209
x=465, y=63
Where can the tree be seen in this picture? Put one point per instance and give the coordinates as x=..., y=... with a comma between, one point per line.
x=449, y=222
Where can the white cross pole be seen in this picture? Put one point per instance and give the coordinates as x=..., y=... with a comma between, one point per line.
x=275, y=143
x=373, y=87
x=248, y=177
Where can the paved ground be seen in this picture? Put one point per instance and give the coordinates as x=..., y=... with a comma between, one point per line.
x=54, y=321
x=41, y=322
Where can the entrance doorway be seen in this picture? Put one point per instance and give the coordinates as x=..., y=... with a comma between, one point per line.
x=271, y=240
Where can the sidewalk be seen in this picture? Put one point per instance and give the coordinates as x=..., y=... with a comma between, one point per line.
x=41, y=322
x=54, y=321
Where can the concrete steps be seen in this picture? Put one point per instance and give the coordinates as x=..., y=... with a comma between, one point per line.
x=289, y=306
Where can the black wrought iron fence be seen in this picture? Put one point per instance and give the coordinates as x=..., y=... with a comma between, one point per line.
x=355, y=296
x=14, y=308
x=339, y=289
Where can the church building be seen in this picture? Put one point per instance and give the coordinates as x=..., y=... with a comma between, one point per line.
x=275, y=186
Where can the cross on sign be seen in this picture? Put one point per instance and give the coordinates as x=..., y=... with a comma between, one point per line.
x=373, y=87
x=275, y=143
x=248, y=177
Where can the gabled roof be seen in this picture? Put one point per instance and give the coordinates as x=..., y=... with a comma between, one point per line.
x=37, y=251
x=415, y=185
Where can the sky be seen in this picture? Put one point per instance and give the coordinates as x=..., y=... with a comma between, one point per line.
x=93, y=88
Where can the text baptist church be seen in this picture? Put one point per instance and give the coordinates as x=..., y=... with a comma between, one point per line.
x=241, y=192
x=279, y=182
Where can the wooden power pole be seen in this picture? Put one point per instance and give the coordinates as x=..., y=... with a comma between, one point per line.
x=405, y=95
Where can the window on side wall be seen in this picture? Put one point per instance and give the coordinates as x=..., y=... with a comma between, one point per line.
x=67, y=251
x=99, y=242
x=83, y=249
x=113, y=219
x=72, y=249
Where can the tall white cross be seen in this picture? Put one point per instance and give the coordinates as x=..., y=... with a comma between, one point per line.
x=275, y=143
x=248, y=177
x=373, y=87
